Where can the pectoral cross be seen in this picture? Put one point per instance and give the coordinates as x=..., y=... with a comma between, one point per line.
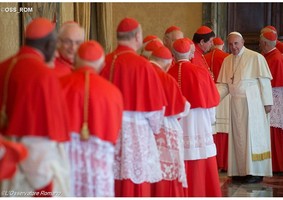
x=236, y=66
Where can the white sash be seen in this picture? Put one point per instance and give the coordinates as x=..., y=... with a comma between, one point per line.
x=258, y=123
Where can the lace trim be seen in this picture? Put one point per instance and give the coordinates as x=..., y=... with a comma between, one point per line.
x=136, y=153
x=276, y=114
x=199, y=147
x=170, y=145
x=198, y=138
x=91, y=167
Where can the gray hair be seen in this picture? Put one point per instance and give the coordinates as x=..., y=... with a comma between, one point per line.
x=157, y=59
x=269, y=42
x=81, y=62
x=180, y=56
x=66, y=26
x=127, y=35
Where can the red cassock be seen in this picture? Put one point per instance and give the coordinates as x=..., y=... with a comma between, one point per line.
x=172, y=63
x=136, y=79
x=141, y=90
x=175, y=99
x=105, y=104
x=92, y=159
x=176, y=105
x=62, y=67
x=275, y=63
x=214, y=59
x=35, y=106
x=200, y=90
x=279, y=46
x=199, y=59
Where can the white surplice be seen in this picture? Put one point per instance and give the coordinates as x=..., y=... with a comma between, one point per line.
x=198, y=134
x=276, y=114
x=170, y=144
x=136, y=153
x=91, y=162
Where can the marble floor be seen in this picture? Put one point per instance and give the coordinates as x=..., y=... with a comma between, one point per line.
x=270, y=187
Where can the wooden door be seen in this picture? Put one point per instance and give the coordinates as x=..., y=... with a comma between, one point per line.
x=250, y=18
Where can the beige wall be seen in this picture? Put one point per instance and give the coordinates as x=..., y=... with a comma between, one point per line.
x=10, y=27
x=155, y=18
x=67, y=12
x=9, y=23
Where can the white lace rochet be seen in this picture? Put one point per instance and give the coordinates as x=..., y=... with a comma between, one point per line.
x=136, y=153
x=276, y=114
x=171, y=149
x=91, y=167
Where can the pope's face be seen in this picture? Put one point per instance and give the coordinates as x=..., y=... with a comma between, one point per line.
x=235, y=43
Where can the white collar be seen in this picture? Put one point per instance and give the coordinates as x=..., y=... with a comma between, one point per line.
x=270, y=50
x=183, y=60
x=241, y=51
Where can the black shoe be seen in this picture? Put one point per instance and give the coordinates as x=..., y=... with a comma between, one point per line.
x=253, y=179
x=238, y=179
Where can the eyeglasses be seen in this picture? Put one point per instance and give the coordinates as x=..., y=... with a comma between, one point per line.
x=69, y=42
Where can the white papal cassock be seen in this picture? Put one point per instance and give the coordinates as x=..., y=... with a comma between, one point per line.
x=246, y=77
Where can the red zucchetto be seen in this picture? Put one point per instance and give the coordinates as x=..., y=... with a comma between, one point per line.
x=271, y=36
x=39, y=28
x=268, y=28
x=171, y=29
x=182, y=45
x=149, y=38
x=90, y=51
x=203, y=30
x=189, y=40
x=218, y=41
x=162, y=52
x=271, y=28
x=152, y=45
x=127, y=25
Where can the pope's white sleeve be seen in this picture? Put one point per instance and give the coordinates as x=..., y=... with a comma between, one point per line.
x=266, y=91
x=223, y=90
